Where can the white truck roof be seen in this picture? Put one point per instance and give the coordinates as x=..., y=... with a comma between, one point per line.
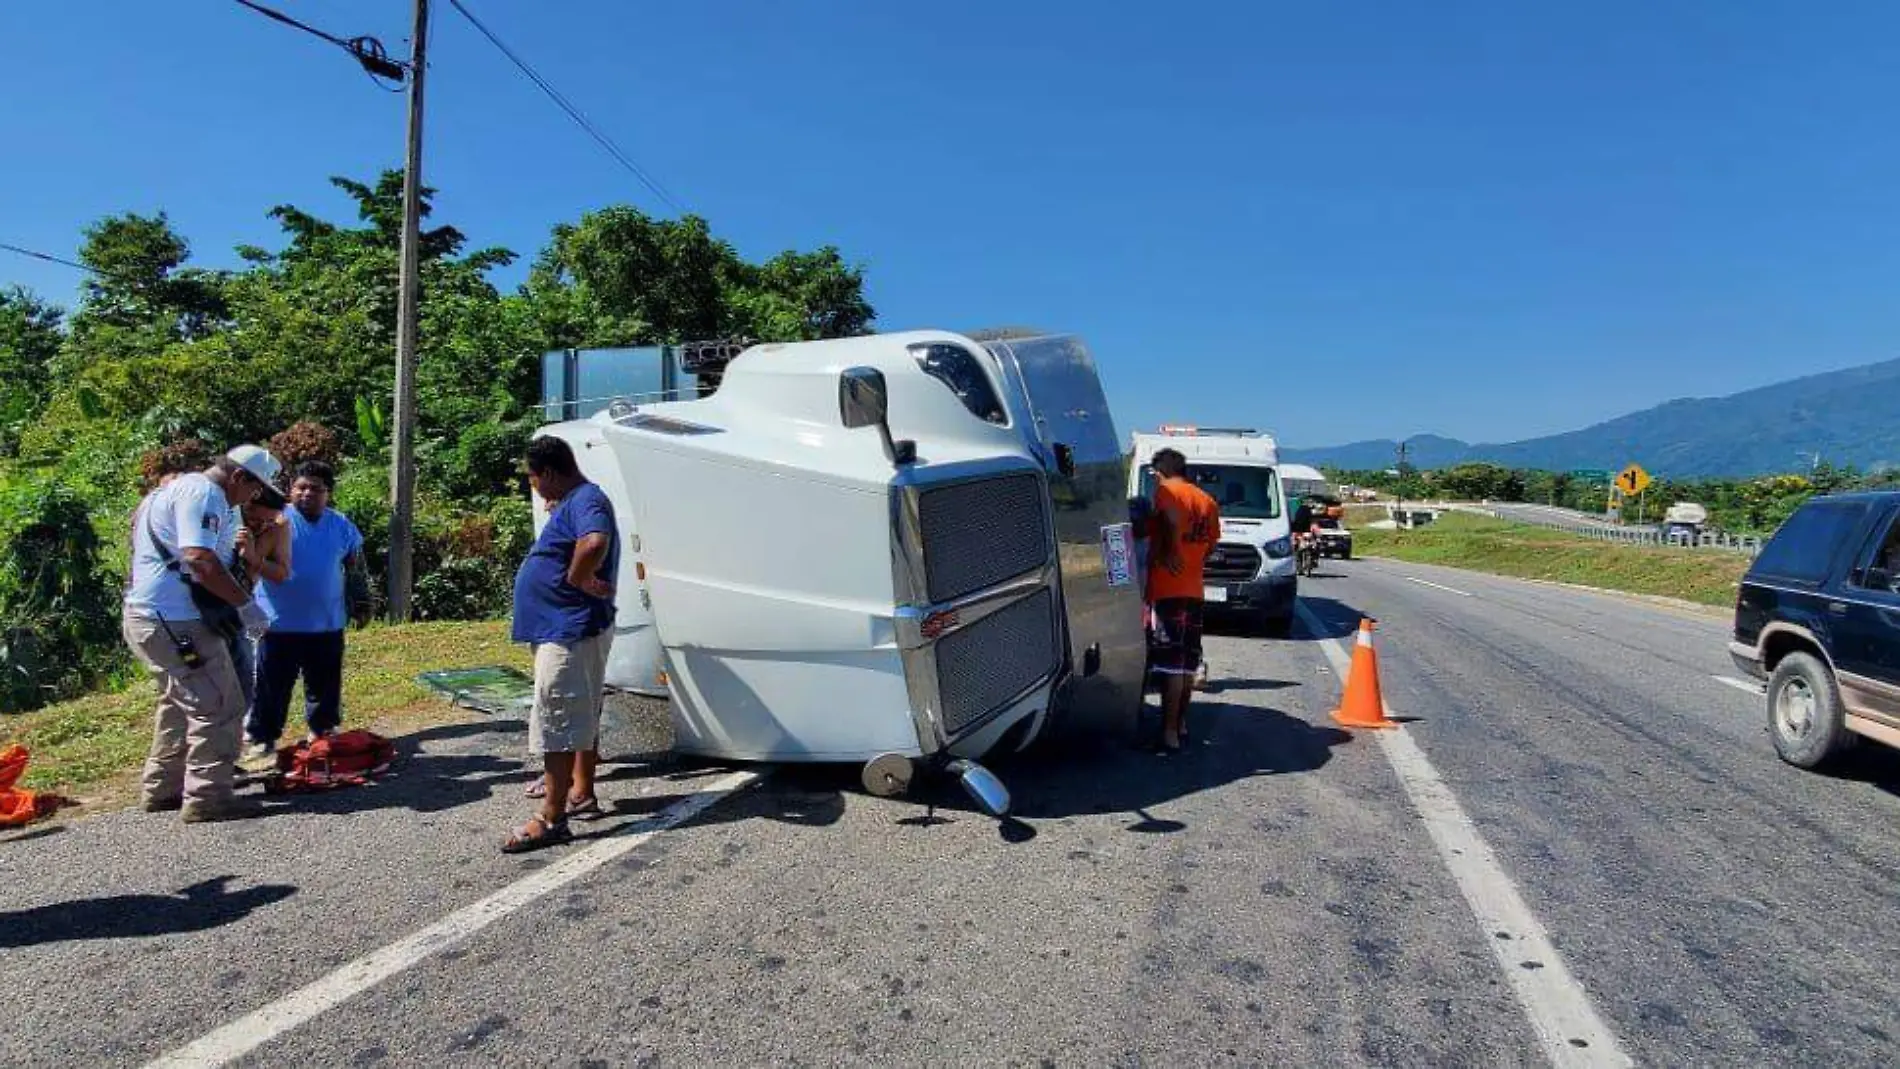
x=1210, y=445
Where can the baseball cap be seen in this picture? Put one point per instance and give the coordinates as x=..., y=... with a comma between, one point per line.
x=260, y=465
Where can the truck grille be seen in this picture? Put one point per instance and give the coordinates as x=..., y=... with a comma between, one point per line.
x=993, y=660
x=978, y=534
x=1228, y=562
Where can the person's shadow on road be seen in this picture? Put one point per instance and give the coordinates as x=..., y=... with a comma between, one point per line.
x=197, y=908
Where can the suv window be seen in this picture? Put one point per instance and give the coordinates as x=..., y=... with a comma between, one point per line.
x=1804, y=549
x=1883, y=569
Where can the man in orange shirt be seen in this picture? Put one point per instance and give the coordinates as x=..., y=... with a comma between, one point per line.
x=1184, y=526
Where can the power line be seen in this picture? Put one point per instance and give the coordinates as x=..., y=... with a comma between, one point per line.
x=572, y=112
x=367, y=51
x=51, y=259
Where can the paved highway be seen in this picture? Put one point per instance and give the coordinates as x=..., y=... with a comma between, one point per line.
x=1580, y=849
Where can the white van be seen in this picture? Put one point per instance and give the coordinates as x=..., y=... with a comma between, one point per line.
x=1250, y=573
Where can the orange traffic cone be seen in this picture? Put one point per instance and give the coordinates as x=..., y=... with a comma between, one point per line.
x=1363, y=706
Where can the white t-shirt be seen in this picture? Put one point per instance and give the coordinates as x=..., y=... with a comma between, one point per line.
x=191, y=513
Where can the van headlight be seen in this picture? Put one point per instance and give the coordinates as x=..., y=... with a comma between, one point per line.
x=1280, y=548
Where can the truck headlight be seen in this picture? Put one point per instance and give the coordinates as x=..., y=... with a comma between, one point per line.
x=1280, y=548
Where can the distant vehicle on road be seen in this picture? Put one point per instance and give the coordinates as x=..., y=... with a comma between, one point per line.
x=1331, y=533
x=1251, y=571
x=1684, y=522
x=1818, y=618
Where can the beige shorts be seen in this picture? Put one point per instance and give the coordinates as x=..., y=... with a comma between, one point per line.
x=569, y=685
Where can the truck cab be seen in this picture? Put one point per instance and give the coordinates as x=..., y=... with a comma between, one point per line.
x=897, y=547
x=1684, y=522
x=1251, y=572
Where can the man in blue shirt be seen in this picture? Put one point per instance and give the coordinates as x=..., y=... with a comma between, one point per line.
x=564, y=607
x=310, y=609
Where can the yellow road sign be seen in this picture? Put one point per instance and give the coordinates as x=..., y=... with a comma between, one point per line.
x=1632, y=480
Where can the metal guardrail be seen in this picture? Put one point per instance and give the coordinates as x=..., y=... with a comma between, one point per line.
x=1632, y=536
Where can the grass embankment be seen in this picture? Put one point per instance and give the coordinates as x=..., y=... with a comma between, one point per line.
x=1481, y=544
x=96, y=743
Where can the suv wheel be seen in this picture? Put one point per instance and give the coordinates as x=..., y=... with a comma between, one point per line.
x=1804, y=712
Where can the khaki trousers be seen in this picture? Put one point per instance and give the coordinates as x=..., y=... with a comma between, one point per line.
x=200, y=723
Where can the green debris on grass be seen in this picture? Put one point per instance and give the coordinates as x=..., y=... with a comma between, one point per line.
x=1478, y=543
x=103, y=736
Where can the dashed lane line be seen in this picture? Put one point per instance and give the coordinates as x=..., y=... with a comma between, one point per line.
x=1559, y=1009
x=1436, y=586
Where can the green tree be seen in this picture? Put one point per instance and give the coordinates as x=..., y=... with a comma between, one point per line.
x=30, y=339
x=621, y=277
x=139, y=281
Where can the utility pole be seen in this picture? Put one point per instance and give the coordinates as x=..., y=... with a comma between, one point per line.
x=402, y=458
x=1401, y=470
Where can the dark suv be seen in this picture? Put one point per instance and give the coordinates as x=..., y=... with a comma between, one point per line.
x=1818, y=618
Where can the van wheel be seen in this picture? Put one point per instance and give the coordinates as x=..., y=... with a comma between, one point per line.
x=1275, y=626
x=1804, y=712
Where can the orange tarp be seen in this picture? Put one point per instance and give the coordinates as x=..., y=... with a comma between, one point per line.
x=17, y=804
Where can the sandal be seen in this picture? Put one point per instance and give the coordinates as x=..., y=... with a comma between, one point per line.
x=537, y=788
x=535, y=834
x=587, y=808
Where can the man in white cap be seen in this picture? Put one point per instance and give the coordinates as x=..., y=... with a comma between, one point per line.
x=181, y=609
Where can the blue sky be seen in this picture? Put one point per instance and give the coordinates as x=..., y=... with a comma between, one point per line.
x=1334, y=220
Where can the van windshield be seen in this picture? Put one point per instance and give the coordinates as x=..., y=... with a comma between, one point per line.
x=1243, y=493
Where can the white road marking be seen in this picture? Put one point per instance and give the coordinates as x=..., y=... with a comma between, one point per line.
x=253, y=1030
x=1558, y=1007
x=1743, y=685
x=1435, y=586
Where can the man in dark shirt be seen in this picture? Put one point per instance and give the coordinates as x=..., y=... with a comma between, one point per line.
x=564, y=607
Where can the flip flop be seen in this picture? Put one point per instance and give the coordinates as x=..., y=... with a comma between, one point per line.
x=587, y=808
x=537, y=788
x=536, y=834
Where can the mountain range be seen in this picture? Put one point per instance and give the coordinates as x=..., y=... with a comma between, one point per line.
x=1848, y=417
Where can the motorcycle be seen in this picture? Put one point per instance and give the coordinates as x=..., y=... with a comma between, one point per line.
x=1306, y=554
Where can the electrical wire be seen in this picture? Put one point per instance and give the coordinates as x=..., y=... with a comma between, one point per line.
x=51, y=259
x=572, y=112
x=367, y=51
x=294, y=24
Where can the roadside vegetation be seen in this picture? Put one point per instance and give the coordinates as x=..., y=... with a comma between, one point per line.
x=1481, y=544
x=94, y=745
x=294, y=346
x=1738, y=506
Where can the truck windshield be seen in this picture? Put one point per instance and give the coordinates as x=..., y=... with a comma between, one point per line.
x=1243, y=493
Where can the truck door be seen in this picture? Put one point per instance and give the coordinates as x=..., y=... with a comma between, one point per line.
x=1867, y=625
x=1073, y=432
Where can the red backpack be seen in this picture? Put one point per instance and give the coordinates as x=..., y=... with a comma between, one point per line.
x=345, y=759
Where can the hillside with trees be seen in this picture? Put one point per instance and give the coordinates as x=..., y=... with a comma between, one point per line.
x=1849, y=417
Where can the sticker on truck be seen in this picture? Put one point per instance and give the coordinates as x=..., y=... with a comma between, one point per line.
x=1118, y=554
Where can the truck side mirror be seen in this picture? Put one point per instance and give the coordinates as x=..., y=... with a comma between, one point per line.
x=864, y=400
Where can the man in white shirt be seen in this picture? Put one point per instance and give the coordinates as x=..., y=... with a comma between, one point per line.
x=181, y=608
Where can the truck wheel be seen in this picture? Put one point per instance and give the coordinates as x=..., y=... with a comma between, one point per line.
x=1804, y=712
x=1275, y=626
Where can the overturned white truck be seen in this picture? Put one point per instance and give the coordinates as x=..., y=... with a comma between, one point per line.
x=899, y=549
